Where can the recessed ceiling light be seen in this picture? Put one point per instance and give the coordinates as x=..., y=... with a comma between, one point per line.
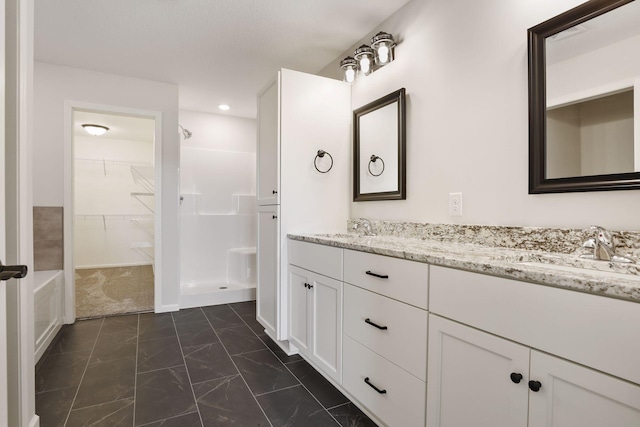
x=224, y=107
x=95, y=130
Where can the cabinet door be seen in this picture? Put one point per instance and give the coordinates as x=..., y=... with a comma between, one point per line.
x=299, y=316
x=327, y=325
x=268, y=253
x=469, y=374
x=574, y=396
x=268, y=145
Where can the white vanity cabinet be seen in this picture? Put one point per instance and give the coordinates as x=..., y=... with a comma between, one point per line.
x=315, y=305
x=298, y=115
x=385, y=336
x=474, y=376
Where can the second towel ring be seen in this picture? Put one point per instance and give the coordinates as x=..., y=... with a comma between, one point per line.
x=321, y=154
x=374, y=159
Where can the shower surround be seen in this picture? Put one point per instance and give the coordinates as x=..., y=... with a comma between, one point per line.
x=217, y=226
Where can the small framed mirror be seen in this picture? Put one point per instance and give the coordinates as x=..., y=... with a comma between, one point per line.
x=379, y=155
x=584, y=81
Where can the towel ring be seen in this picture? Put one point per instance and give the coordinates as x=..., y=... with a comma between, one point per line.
x=373, y=159
x=321, y=154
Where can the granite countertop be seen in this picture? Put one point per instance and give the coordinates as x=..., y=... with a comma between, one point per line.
x=560, y=270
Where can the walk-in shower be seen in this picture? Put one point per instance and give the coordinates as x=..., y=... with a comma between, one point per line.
x=217, y=211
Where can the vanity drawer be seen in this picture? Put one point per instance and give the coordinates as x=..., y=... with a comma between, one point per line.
x=322, y=259
x=403, y=342
x=405, y=280
x=403, y=403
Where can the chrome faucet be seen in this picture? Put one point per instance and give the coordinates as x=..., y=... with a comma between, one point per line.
x=603, y=246
x=366, y=226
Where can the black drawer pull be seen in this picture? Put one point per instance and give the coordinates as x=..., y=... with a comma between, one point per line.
x=382, y=328
x=366, y=380
x=516, y=377
x=382, y=276
x=535, y=385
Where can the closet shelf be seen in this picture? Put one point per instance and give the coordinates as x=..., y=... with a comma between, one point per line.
x=145, y=177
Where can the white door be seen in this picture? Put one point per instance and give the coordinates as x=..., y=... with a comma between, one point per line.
x=327, y=324
x=299, y=298
x=571, y=395
x=268, y=251
x=475, y=379
x=268, y=146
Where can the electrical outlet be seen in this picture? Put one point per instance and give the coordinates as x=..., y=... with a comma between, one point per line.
x=455, y=204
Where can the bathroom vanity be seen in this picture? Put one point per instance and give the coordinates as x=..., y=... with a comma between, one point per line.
x=424, y=332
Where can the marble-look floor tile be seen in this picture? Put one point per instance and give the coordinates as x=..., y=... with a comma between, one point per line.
x=280, y=354
x=246, y=307
x=208, y=362
x=162, y=394
x=228, y=402
x=222, y=316
x=61, y=371
x=106, y=382
x=188, y=315
x=319, y=386
x=112, y=414
x=80, y=336
x=53, y=406
x=127, y=324
x=114, y=346
x=151, y=328
x=295, y=407
x=196, y=333
x=189, y=420
x=240, y=340
x=158, y=354
x=263, y=372
x=349, y=415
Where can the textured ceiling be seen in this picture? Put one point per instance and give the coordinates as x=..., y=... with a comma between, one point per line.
x=217, y=51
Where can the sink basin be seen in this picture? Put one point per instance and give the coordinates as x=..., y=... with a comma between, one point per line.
x=582, y=270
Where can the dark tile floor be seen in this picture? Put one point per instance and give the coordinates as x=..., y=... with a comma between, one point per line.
x=210, y=366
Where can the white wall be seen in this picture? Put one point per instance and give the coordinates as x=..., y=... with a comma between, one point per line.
x=217, y=181
x=464, y=65
x=52, y=86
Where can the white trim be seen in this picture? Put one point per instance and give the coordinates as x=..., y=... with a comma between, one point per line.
x=124, y=265
x=166, y=308
x=69, y=107
x=591, y=93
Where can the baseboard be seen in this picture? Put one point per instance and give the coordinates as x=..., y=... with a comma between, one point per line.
x=167, y=308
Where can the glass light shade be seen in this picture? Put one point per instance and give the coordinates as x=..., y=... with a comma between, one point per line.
x=383, y=44
x=364, y=56
x=349, y=66
x=95, y=130
x=224, y=107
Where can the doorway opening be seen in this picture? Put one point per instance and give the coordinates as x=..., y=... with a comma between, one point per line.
x=113, y=213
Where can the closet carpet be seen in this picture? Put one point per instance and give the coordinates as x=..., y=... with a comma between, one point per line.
x=113, y=290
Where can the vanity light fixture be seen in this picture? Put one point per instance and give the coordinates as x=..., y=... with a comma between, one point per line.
x=367, y=59
x=95, y=130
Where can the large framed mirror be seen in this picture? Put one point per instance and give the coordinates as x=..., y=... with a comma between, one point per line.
x=584, y=99
x=379, y=155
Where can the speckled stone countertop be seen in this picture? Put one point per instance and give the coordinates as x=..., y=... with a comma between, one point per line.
x=490, y=250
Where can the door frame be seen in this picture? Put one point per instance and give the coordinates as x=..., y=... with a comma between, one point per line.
x=68, y=210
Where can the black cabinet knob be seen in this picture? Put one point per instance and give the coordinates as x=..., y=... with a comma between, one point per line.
x=516, y=377
x=275, y=192
x=310, y=286
x=274, y=216
x=306, y=285
x=535, y=385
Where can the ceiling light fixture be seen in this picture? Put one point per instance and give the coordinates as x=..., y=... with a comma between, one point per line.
x=368, y=59
x=224, y=107
x=95, y=130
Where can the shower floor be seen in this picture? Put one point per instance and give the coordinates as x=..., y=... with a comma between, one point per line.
x=214, y=293
x=113, y=290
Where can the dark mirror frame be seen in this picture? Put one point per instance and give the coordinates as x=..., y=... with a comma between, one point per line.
x=538, y=183
x=401, y=193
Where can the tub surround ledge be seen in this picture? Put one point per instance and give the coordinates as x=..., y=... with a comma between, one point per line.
x=539, y=255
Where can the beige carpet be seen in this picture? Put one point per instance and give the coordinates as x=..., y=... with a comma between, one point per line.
x=116, y=290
